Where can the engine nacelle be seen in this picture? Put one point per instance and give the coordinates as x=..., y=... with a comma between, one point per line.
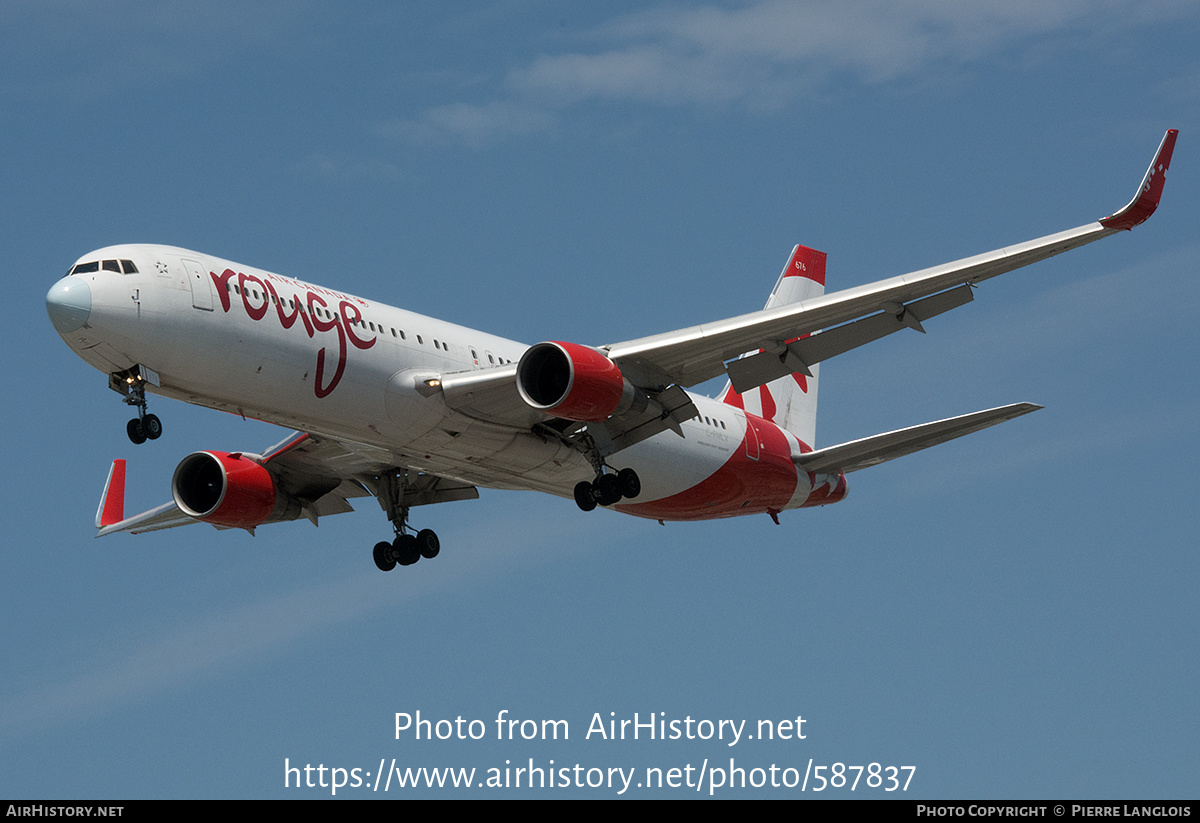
x=571, y=381
x=229, y=490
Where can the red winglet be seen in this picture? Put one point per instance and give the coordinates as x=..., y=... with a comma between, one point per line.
x=1146, y=200
x=112, y=503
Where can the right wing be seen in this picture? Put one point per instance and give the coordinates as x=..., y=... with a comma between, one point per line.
x=319, y=474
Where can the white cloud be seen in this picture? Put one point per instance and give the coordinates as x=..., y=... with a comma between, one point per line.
x=340, y=167
x=766, y=54
x=469, y=123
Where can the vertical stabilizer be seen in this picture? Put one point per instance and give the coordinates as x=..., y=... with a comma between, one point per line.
x=790, y=402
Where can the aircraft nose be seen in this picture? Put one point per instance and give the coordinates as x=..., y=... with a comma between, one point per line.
x=69, y=304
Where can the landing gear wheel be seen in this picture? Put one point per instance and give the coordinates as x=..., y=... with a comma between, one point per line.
x=428, y=544
x=608, y=490
x=630, y=483
x=405, y=550
x=135, y=431
x=151, y=427
x=584, y=498
x=383, y=557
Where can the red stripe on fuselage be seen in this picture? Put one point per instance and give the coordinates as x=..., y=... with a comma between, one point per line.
x=741, y=486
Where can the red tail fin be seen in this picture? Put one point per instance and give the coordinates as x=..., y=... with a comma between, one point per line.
x=808, y=263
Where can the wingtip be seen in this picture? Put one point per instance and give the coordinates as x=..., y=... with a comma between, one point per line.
x=1149, y=193
x=112, y=501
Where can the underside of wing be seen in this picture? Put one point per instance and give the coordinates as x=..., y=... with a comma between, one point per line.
x=305, y=476
x=497, y=395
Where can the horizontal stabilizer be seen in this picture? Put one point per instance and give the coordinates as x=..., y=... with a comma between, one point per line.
x=870, y=451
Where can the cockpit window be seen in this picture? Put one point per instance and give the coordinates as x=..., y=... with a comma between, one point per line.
x=119, y=266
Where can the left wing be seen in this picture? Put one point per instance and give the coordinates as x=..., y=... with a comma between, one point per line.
x=849, y=318
x=776, y=342
x=313, y=477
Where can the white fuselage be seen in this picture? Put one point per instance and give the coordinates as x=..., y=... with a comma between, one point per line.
x=244, y=340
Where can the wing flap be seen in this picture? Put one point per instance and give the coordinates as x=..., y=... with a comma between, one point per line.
x=798, y=355
x=696, y=354
x=871, y=451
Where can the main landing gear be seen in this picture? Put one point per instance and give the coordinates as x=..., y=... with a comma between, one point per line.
x=408, y=547
x=607, y=489
x=145, y=426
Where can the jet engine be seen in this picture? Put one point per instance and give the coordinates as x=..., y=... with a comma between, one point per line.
x=572, y=381
x=230, y=490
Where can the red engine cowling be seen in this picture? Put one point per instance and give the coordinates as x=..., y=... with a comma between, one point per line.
x=570, y=381
x=227, y=490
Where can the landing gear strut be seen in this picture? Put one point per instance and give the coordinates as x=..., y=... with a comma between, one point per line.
x=145, y=426
x=607, y=489
x=407, y=548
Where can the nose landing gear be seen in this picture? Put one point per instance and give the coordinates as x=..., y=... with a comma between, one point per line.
x=144, y=427
x=132, y=384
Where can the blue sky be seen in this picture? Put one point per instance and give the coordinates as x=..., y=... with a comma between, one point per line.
x=1013, y=614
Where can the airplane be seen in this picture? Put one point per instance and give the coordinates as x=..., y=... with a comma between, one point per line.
x=415, y=411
